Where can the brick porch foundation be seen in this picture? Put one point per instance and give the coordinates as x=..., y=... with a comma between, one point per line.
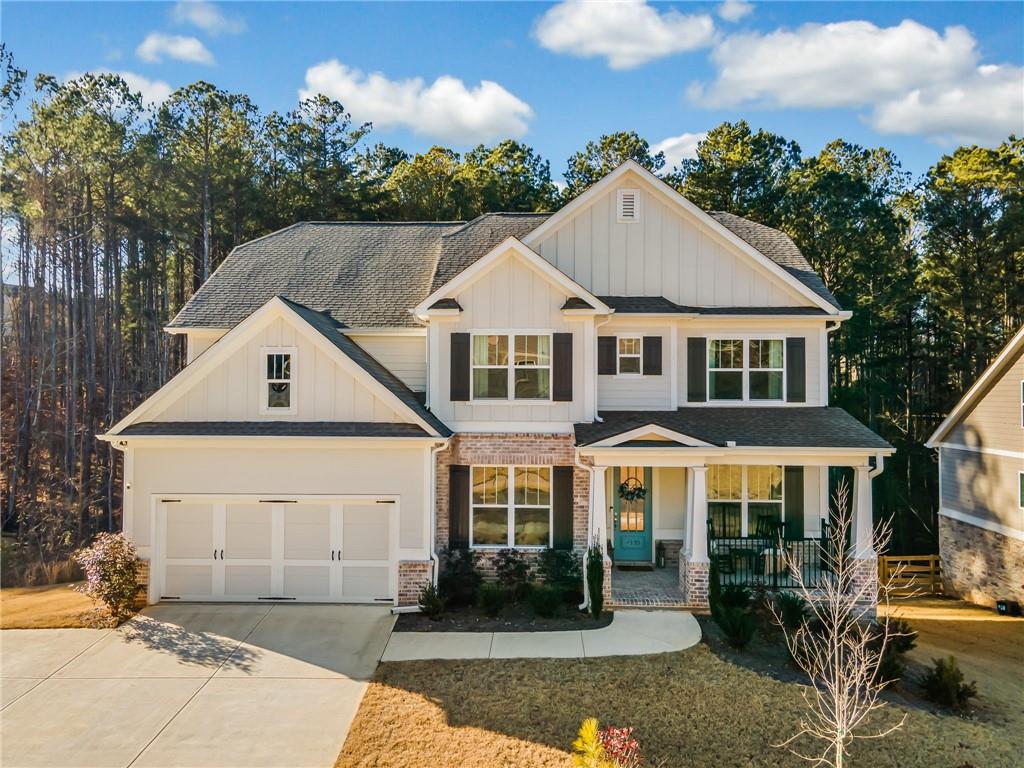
x=412, y=576
x=693, y=581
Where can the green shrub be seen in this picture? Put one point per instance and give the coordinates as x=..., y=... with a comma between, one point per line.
x=545, y=600
x=595, y=580
x=792, y=609
x=944, y=684
x=902, y=636
x=432, y=603
x=561, y=569
x=460, y=579
x=513, y=573
x=492, y=599
x=737, y=624
x=111, y=570
x=735, y=596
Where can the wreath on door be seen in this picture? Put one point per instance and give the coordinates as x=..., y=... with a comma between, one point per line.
x=631, y=489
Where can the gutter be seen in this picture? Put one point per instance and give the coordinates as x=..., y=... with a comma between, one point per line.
x=434, y=450
x=879, y=466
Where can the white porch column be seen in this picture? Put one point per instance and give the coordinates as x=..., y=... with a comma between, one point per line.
x=599, y=509
x=863, y=526
x=699, y=515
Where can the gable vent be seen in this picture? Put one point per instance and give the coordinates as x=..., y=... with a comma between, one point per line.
x=629, y=205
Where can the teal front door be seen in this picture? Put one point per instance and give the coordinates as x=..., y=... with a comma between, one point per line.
x=632, y=540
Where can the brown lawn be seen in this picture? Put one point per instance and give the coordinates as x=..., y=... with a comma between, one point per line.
x=690, y=709
x=49, y=607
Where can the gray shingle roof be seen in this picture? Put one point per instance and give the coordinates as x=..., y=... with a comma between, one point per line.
x=628, y=305
x=328, y=328
x=468, y=244
x=800, y=427
x=273, y=429
x=778, y=247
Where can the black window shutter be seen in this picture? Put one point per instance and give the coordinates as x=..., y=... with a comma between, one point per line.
x=561, y=535
x=793, y=488
x=458, y=506
x=796, y=369
x=460, y=367
x=561, y=367
x=696, y=369
x=606, y=362
x=652, y=355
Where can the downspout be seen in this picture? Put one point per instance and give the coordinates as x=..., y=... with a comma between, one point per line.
x=590, y=526
x=433, y=508
x=879, y=466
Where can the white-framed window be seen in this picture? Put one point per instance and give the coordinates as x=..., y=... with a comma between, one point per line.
x=745, y=500
x=628, y=206
x=511, y=366
x=1020, y=489
x=747, y=368
x=278, y=371
x=502, y=517
x=630, y=355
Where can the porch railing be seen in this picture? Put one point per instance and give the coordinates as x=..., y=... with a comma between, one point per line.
x=763, y=560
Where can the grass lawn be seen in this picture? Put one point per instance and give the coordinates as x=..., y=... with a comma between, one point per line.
x=690, y=709
x=50, y=607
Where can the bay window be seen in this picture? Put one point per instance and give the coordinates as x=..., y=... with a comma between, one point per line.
x=746, y=369
x=519, y=519
x=511, y=366
x=745, y=500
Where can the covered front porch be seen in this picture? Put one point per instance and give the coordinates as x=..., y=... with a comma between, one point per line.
x=665, y=505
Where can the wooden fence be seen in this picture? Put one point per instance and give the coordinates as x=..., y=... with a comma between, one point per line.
x=919, y=574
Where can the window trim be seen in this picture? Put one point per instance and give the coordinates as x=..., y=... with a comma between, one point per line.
x=745, y=370
x=745, y=499
x=511, y=506
x=511, y=366
x=639, y=356
x=292, y=409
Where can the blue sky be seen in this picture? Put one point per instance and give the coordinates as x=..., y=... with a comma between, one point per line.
x=917, y=77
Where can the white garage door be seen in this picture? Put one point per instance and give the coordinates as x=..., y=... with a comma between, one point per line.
x=252, y=549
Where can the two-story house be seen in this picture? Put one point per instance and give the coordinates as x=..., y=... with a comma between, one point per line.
x=981, y=483
x=630, y=372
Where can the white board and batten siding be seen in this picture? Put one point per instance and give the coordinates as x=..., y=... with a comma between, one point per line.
x=403, y=355
x=664, y=253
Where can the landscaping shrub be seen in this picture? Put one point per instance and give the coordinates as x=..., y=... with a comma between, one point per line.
x=714, y=588
x=561, y=570
x=902, y=636
x=545, y=600
x=792, y=609
x=513, y=573
x=595, y=580
x=620, y=747
x=431, y=601
x=944, y=684
x=587, y=749
x=492, y=599
x=460, y=578
x=111, y=570
x=735, y=596
x=738, y=625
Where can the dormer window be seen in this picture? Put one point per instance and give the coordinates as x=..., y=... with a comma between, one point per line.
x=629, y=206
x=278, y=392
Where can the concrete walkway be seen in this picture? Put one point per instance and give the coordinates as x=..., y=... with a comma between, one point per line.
x=631, y=633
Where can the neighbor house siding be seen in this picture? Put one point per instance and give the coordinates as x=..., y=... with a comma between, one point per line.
x=982, y=485
x=666, y=253
x=404, y=356
x=995, y=421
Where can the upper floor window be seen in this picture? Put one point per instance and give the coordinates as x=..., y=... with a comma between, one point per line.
x=511, y=366
x=746, y=369
x=630, y=354
x=278, y=392
x=521, y=518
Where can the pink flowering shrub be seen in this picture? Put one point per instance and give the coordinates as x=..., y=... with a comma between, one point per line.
x=111, y=572
x=620, y=747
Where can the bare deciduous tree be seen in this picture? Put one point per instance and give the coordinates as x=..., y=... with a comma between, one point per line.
x=840, y=645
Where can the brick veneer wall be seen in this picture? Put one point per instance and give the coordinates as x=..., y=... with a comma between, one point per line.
x=978, y=565
x=693, y=581
x=412, y=575
x=142, y=579
x=520, y=449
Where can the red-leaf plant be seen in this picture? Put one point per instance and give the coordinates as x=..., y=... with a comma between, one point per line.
x=620, y=747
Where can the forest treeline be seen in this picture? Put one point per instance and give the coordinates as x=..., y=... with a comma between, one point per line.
x=114, y=212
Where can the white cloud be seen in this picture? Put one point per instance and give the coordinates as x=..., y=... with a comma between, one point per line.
x=627, y=33
x=734, y=10
x=157, y=45
x=207, y=17
x=446, y=109
x=154, y=92
x=909, y=78
x=983, y=108
x=679, y=148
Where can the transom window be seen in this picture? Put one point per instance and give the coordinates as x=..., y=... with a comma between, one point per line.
x=745, y=500
x=278, y=394
x=525, y=374
x=518, y=519
x=630, y=354
x=746, y=369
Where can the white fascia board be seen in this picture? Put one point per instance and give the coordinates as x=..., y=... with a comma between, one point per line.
x=676, y=199
x=652, y=429
x=484, y=264
x=974, y=392
x=190, y=441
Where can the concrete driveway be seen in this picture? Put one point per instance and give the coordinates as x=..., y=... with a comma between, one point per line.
x=190, y=685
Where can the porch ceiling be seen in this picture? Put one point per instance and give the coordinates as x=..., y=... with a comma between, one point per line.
x=750, y=427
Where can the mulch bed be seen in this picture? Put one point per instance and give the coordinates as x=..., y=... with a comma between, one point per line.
x=514, y=618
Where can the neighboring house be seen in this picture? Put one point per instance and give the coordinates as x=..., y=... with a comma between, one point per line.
x=981, y=483
x=360, y=396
